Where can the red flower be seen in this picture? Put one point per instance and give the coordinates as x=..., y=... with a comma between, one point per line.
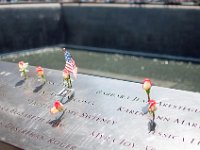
x=40, y=71
x=152, y=106
x=147, y=84
x=58, y=107
x=23, y=68
x=57, y=104
x=21, y=64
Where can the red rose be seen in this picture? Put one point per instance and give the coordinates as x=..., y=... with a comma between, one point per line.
x=21, y=64
x=58, y=107
x=40, y=71
x=147, y=84
x=152, y=105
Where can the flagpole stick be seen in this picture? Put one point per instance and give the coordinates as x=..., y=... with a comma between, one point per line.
x=64, y=50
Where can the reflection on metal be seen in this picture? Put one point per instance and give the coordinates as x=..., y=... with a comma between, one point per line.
x=65, y=94
x=100, y=113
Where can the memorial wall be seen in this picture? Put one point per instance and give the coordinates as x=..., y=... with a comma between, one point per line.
x=155, y=29
x=29, y=26
x=164, y=30
x=102, y=114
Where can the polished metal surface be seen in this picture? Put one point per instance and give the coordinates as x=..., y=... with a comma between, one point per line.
x=102, y=114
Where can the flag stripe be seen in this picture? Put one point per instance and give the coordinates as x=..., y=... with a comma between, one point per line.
x=70, y=64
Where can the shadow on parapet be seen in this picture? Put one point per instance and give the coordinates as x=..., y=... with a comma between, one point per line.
x=20, y=83
x=38, y=88
x=56, y=122
x=151, y=126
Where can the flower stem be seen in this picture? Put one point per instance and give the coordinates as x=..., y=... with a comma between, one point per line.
x=43, y=78
x=148, y=95
x=69, y=82
x=153, y=116
x=24, y=74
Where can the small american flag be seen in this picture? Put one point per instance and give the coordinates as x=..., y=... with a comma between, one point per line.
x=70, y=64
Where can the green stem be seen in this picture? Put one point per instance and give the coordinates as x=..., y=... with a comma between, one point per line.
x=43, y=78
x=24, y=74
x=69, y=82
x=148, y=95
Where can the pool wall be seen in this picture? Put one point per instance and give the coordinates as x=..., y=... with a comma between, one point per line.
x=155, y=29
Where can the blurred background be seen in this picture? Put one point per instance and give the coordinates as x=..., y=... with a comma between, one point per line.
x=171, y=2
x=122, y=39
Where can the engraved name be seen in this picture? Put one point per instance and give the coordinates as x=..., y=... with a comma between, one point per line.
x=96, y=117
x=169, y=136
x=123, y=142
x=137, y=99
x=177, y=121
x=40, y=104
x=32, y=134
x=21, y=114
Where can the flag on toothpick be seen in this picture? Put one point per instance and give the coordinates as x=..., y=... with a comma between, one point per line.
x=70, y=64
